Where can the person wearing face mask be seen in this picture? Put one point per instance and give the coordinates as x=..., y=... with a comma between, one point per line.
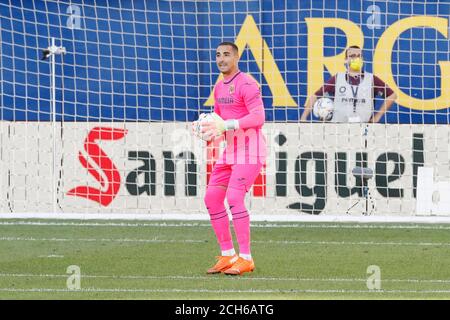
x=353, y=92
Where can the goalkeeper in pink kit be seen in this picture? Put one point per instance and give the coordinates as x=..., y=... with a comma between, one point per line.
x=239, y=115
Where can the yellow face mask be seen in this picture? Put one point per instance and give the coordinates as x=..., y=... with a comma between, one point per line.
x=356, y=64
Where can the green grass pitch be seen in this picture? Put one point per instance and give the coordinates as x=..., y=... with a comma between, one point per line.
x=168, y=260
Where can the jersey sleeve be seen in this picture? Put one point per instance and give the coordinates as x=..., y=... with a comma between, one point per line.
x=380, y=88
x=327, y=89
x=253, y=102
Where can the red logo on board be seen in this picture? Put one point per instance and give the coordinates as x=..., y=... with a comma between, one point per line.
x=109, y=187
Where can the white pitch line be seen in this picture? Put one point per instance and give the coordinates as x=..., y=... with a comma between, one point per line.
x=178, y=277
x=284, y=291
x=103, y=224
x=268, y=241
x=100, y=240
x=253, y=225
x=353, y=243
x=156, y=216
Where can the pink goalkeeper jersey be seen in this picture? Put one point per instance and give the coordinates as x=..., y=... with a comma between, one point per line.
x=239, y=97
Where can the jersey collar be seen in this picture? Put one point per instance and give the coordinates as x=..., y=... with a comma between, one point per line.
x=360, y=77
x=226, y=81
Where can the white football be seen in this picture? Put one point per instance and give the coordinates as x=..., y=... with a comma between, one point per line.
x=323, y=109
x=197, y=126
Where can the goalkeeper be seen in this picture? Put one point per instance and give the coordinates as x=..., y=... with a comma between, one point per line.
x=239, y=114
x=353, y=92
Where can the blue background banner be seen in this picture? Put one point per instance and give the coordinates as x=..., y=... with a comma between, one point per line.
x=155, y=60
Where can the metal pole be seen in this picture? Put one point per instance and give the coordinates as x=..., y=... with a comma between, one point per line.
x=50, y=52
x=365, y=181
x=53, y=102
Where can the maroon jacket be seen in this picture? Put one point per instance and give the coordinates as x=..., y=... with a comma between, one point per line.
x=380, y=88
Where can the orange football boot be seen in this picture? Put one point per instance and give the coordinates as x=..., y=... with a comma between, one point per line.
x=223, y=263
x=240, y=266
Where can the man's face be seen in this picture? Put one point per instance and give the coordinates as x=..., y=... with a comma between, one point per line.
x=354, y=60
x=353, y=53
x=226, y=59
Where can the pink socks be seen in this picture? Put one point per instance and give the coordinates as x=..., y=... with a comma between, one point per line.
x=214, y=201
x=241, y=218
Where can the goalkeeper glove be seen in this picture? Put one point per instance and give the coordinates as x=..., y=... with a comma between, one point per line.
x=218, y=126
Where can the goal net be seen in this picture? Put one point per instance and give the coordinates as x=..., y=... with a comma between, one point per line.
x=97, y=97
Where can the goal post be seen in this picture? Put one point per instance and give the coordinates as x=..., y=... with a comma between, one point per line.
x=103, y=128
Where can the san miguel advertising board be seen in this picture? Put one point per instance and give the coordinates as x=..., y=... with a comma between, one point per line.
x=136, y=73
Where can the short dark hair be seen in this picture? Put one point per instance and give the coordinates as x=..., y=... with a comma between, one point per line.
x=228, y=43
x=351, y=47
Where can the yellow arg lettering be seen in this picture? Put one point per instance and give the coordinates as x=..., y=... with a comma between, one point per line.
x=382, y=60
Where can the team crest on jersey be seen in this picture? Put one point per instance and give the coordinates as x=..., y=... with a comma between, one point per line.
x=231, y=89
